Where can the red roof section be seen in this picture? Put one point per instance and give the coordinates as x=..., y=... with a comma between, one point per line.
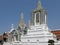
x=1, y=37
x=56, y=32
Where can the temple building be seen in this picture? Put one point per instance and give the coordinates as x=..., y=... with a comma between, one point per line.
x=36, y=33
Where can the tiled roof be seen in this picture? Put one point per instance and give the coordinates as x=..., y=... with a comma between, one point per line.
x=1, y=37
x=56, y=32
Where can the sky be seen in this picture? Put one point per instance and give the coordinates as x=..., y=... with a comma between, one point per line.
x=10, y=11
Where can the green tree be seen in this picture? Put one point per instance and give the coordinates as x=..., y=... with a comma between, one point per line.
x=51, y=42
x=5, y=37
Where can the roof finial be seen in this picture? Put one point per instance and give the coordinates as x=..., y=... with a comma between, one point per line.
x=12, y=28
x=39, y=6
x=22, y=19
x=29, y=23
x=22, y=15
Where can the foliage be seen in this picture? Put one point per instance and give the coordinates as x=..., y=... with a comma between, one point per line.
x=51, y=42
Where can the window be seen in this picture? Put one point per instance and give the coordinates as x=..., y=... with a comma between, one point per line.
x=37, y=17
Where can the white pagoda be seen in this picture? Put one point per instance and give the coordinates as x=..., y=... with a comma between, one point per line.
x=38, y=31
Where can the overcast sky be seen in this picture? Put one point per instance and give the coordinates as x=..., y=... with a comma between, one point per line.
x=10, y=11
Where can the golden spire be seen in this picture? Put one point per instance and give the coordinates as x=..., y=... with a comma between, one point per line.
x=22, y=20
x=39, y=6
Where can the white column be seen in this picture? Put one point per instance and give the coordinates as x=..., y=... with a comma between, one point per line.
x=39, y=18
x=35, y=20
x=45, y=18
x=18, y=37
